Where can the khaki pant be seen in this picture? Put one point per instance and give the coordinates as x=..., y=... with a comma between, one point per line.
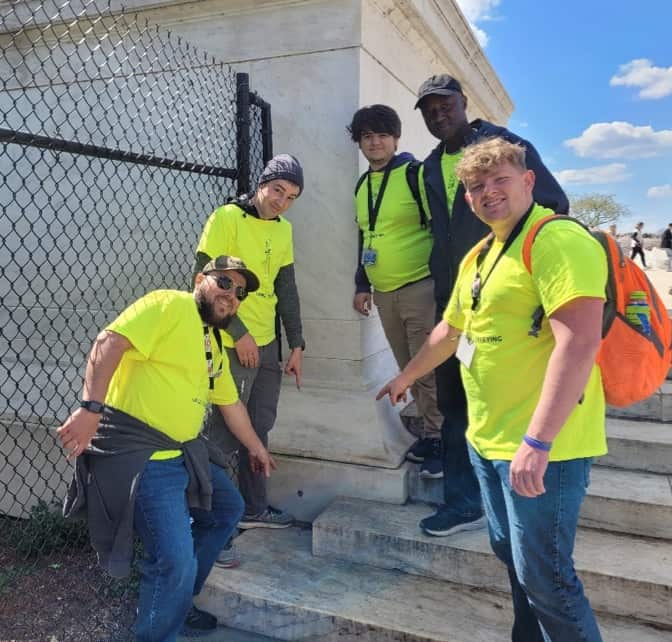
x=407, y=315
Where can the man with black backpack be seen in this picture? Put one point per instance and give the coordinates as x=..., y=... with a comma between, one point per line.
x=393, y=257
x=455, y=229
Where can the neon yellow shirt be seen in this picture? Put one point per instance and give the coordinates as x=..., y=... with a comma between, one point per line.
x=503, y=383
x=163, y=379
x=401, y=243
x=450, y=181
x=265, y=246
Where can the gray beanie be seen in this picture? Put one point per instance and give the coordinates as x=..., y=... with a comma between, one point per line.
x=283, y=166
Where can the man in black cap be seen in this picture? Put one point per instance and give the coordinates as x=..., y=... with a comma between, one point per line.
x=253, y=227
x=149, y=377
x=443, y=105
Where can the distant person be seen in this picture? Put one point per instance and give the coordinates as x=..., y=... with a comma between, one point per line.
x=393, y=261
x=455, y=229
x=636, y=247
x=536, y=404
x=666, y=241
x=613, y=230
x=149, y=377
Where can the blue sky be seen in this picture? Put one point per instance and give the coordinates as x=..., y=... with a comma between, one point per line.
x=591, y=81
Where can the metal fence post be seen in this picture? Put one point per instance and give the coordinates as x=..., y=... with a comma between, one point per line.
x=243, y=132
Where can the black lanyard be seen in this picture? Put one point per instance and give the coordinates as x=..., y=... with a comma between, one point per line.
x=478, y=284
x=374, y=208
x=208, y=354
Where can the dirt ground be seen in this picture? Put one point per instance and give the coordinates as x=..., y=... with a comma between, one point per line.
x=62, y=597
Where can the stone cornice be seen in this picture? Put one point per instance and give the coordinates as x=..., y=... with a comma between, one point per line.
x=429, y=25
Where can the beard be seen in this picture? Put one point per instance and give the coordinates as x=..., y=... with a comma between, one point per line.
x=207, y=313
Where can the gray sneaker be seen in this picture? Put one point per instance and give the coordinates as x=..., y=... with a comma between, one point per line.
x=227, y=557
x=269, y=518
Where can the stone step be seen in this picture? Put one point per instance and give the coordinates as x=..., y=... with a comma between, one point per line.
x=281, y=590
x=621, y=501
x=658, y=407
x=639, y=445
x=623, y=575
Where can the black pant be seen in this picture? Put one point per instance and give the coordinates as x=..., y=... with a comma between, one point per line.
x=638, y=250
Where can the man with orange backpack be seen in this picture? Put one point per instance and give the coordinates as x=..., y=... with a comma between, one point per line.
x=536, y=408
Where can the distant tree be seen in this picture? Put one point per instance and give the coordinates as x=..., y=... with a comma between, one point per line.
x=596, y=210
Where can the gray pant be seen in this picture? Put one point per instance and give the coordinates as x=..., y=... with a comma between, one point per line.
x=259, y=390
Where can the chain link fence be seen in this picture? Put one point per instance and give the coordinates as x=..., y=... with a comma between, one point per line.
x=117, y=141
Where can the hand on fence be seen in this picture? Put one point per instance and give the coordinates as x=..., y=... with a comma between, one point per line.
x=77, y=431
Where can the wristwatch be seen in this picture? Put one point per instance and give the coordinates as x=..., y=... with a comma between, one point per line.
x=92, y=406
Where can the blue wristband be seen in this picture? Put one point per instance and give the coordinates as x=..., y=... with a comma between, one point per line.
x=539, y=445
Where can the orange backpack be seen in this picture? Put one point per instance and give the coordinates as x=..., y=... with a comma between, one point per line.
x=634, y=364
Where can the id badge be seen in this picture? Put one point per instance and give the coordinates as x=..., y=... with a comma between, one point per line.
x=465, y=351
x=369, y=256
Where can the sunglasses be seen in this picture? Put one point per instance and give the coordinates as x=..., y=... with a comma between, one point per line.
x=225, y=283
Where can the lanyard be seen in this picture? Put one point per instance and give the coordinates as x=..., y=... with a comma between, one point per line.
x=374, y=208
x=478, y=284
x=208, y=354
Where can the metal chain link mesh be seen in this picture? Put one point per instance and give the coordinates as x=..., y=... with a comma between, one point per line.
x=118, y=140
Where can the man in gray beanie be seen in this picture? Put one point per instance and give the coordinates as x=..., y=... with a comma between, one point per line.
x=253, y=227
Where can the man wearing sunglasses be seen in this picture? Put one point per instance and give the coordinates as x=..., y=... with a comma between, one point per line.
x=150, y=376
x=253, y=227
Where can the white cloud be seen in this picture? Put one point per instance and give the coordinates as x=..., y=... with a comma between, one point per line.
x=655, y=82
x=598, y=175
x=476, y=11
x=621, y=140
x=660, y=191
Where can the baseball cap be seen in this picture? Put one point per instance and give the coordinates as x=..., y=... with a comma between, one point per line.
x=228, y=263
x=441, y=84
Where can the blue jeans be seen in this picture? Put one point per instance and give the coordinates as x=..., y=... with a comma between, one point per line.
x=534, y=537
x=178, y=553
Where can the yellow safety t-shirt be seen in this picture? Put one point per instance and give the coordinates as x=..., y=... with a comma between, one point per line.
x=402, y=245
x=265, y=246
x=163, y=379
x=503, y=383
x=450, y=181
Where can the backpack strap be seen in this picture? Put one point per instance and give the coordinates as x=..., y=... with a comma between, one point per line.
x=413, y=180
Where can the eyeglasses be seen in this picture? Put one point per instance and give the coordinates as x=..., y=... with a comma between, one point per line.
x=226, y=283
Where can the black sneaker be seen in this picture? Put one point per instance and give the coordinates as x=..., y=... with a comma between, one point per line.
x=422, y=449
x=198, y=623
x=269, y=518
x=431, y=468
x=447, y=522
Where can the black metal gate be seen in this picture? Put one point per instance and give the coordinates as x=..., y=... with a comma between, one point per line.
x=117, y=141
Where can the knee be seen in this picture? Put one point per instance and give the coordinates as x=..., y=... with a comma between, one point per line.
x=179, y=566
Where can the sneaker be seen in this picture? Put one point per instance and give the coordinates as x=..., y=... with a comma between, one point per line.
x=198, y=623
x=447, y=522
x=269, y=518
x=431, y=469
x=227, y=557
x=422, y=449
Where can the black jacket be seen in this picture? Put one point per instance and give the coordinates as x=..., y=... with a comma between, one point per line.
x=106, y=480
x=456, y=229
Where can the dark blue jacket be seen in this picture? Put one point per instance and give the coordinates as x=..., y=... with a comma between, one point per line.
x=456, y=229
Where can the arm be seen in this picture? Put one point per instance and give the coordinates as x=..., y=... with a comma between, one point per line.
x=236, y=418
x=362, y=299
x=439, y=346
x=80, y=427
x=577, y=330
x=289, y=310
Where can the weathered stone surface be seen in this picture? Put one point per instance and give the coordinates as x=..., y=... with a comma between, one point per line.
x=639, y=445
x=658, y=407
x=623, y=575
x=282, y=591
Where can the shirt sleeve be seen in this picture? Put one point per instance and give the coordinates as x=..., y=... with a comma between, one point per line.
x=567, y=263
x=454, y=312
x=225, y=392
x=141, y=322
